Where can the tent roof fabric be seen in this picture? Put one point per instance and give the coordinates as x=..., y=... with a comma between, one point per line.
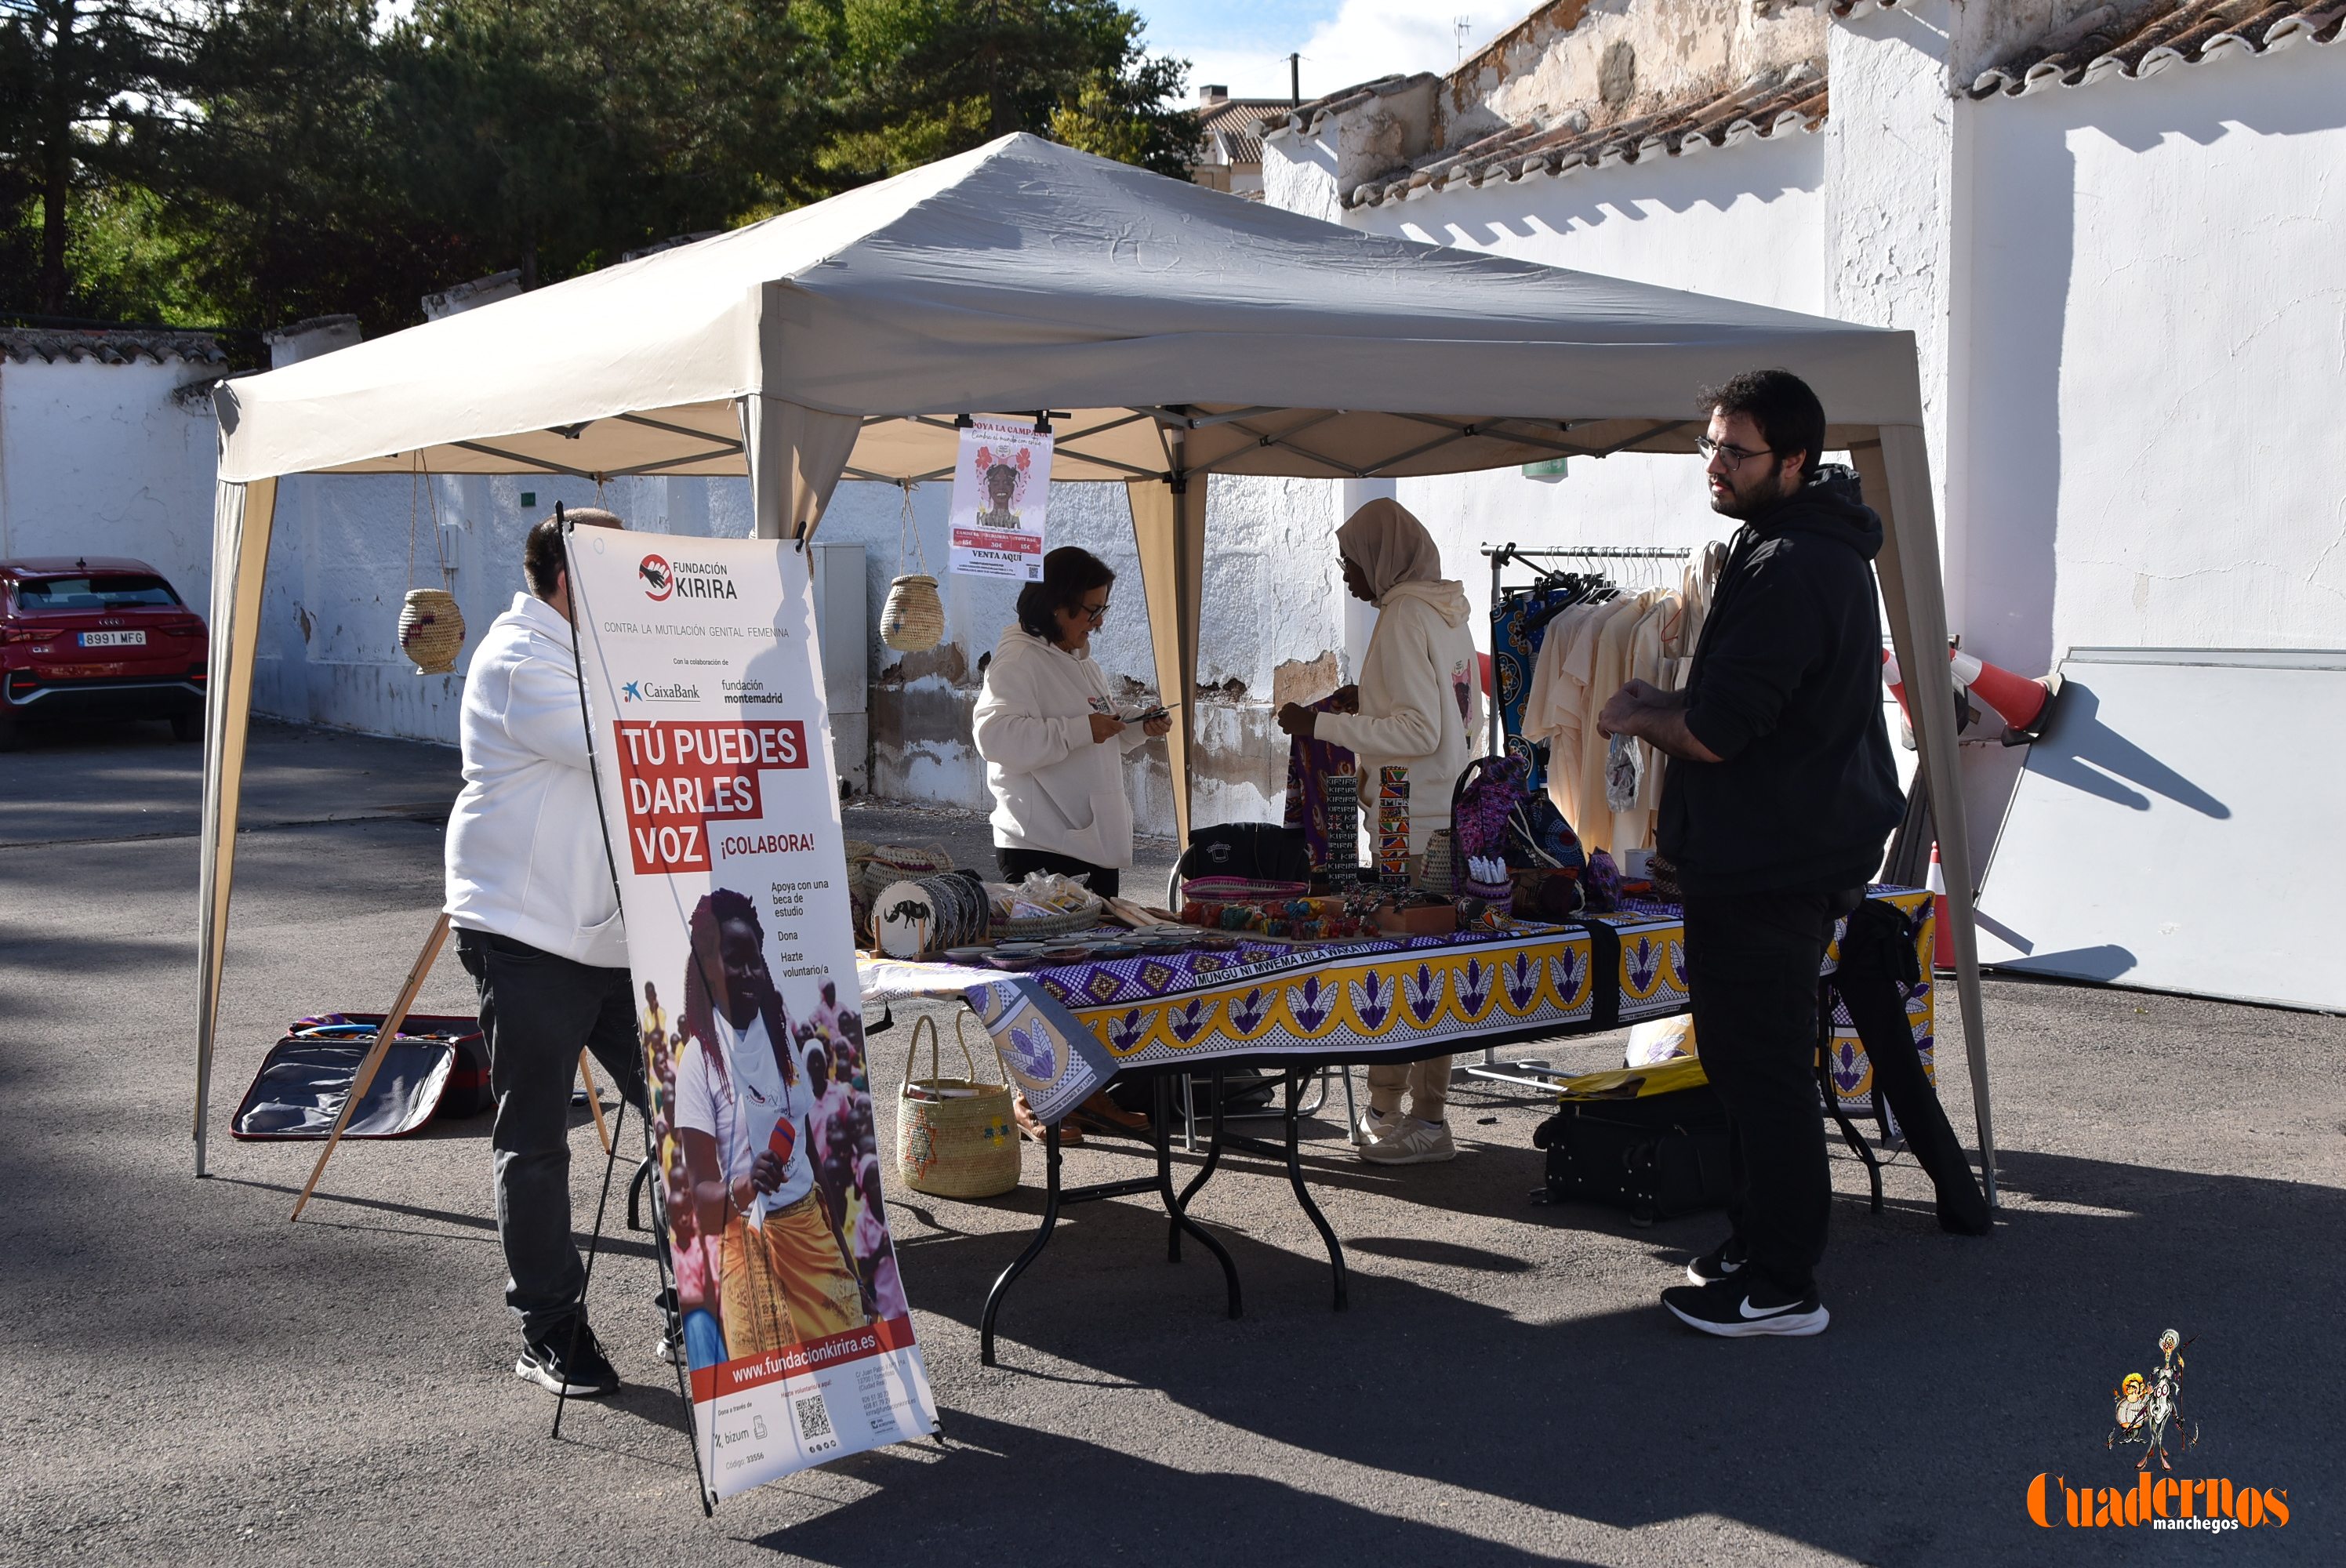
x=1025, y=277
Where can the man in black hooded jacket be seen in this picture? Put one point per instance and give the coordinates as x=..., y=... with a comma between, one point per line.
x=1775, y=812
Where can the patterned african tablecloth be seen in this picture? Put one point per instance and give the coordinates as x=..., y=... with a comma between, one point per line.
x=1063, y=1033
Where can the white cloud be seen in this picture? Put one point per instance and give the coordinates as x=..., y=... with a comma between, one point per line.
x=1363, y=39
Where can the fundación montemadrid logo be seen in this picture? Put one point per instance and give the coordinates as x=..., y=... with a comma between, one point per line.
x=2148, y=1414
x=685, y=579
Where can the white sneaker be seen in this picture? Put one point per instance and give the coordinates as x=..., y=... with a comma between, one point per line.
x=1375, y=1125
x=1417, y=1143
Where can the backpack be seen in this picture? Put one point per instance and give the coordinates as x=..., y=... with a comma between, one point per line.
x=1540, y=840
x=1488, y=793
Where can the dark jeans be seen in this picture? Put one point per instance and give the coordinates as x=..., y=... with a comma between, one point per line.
x=1106, y=880
x=1751, y=976
x=538, y=1011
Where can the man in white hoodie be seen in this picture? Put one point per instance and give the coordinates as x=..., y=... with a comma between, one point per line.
x=537, y=928
x=1418, y=707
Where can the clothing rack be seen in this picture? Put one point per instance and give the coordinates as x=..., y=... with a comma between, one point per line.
x=1502, y=556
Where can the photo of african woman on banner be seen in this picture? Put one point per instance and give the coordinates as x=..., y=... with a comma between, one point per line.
x=769, y=1117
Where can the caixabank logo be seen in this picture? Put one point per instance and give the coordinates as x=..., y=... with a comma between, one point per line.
x=2148, y=1414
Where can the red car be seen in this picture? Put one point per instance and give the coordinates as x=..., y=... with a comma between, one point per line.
x=97, y=636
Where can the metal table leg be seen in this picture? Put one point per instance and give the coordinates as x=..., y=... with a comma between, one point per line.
x=1034, y=1248
x=1177, y=1205
x=1303, y=1193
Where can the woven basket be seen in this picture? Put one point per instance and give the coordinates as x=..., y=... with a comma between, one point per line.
x=913, y=620
x=431, y=630
x=1036, y=928
x=966, y=1146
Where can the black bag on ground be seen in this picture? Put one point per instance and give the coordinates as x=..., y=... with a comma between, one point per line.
x=1656, y=1157
x=438, y=1067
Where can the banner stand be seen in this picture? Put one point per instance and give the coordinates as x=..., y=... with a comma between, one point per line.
x=611, y=1155
x=702, y=701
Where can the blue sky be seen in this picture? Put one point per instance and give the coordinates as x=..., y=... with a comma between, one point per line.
x=1244, y=44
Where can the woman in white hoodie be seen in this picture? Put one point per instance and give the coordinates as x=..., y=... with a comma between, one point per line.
x=1054, y=749
x=1418, y=707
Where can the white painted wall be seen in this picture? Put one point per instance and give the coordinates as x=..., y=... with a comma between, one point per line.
x=100, y=459
x=339, y=568
x=2152, y=447
x=1747, y=222
x=1890, y=176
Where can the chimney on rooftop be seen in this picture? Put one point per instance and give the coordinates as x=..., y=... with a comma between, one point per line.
x=300, y=341
x=472, y=296
x=1208, y=97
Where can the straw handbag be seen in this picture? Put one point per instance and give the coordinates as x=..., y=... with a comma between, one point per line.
x=913, y=619
x=962, y=1143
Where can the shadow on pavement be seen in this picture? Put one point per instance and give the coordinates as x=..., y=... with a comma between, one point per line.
x=973, y=1503
x=1955, y=1370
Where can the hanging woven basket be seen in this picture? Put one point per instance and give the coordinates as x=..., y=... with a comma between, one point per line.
x=431, y=630
x=915, y=618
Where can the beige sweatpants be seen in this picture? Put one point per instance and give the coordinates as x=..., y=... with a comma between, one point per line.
x=1428, y=1082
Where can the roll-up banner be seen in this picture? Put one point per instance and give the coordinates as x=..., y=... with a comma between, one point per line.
x=720, y=799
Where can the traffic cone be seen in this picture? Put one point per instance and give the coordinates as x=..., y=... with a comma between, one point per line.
x=1942, y=945
x=1896, y=681
x=2026, y=704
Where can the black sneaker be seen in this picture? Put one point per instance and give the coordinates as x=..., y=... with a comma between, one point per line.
x=1717, y=1263
x=1738, y=1310
x=558, y=1366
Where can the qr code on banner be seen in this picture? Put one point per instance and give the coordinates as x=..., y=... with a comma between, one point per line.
x=814, y=1423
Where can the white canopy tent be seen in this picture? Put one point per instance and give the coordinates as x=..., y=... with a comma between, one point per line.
x=1169, y=334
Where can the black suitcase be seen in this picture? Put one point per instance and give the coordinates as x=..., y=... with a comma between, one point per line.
x=1656, y=1157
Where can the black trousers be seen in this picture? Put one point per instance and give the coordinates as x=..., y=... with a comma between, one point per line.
x=538, y=1011
x=1751, y=976
x=1017, y=864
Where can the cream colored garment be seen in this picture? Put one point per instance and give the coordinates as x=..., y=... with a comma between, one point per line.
x=1567, y=655
x=1609, y=667
x=1634, y=829
x=1554, y=705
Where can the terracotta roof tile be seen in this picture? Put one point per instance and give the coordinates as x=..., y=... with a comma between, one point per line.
x=1306, y=115
x=1777, y=102
x=2105, y=42
x=1237, y=125
x=111, y=346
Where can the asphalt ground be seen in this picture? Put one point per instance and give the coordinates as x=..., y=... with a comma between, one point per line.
x=185, y=1377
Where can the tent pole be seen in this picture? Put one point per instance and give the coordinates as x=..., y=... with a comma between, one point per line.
x=795, y=455
x=242, y=517
x=1896, y=474
x=1168, y=526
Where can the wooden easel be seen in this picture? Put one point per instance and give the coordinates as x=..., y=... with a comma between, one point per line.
x=388, y=1033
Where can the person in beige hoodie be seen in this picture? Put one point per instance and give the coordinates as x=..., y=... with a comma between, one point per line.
x=1418, y=707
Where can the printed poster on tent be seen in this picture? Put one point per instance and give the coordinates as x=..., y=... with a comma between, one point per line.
x=721, y=800
x=1001, y=492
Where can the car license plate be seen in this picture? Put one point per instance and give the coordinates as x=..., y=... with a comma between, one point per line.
x=113, y=639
